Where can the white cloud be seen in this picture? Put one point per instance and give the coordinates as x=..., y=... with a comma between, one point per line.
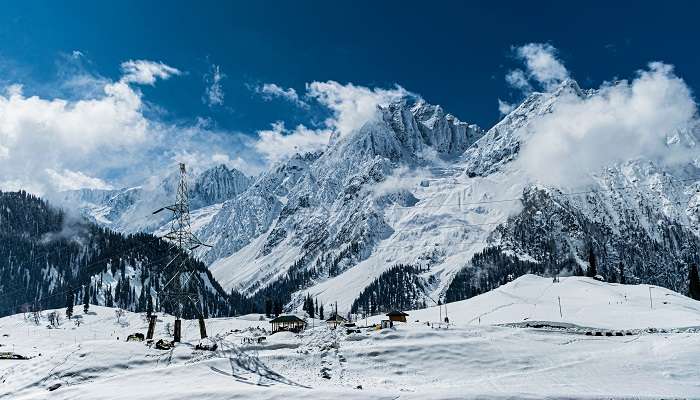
x=504, y=108
x=71, y=180
x=280, y=143
x=542, y=64
x=622, y=121
x=40, y=135
x=268, y=91
x=145, y=72
x=97, y=139
x=517, y=79
x=214, y=92
x=352, y=105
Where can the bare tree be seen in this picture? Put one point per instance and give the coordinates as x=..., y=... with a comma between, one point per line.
x=26, y=309
x=54, y=318
x=119, y=313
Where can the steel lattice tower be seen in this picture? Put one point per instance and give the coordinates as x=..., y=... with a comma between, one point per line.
x=181, y=237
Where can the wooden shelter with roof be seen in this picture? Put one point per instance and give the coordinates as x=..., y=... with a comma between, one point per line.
x=287, y=323
x=397, y=316
x=335, y=320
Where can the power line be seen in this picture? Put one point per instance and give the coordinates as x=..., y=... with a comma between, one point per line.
x=613, y=189
x=619, y=188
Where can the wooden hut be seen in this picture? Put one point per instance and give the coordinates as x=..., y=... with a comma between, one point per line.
x=335, y=320
x=397, y=316
x=290, y=323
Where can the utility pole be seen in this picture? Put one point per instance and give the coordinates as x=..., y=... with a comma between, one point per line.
x=181, y=236
x=447, y=320
x=651, y=304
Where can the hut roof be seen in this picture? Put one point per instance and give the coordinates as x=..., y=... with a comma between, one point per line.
x=396, y=313
x=336, y=318
x=287, y=318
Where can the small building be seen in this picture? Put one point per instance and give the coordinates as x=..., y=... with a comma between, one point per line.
x=335, y=320
x=397, y=316
x=287, y=323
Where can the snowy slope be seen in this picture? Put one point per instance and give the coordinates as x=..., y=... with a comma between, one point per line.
x=413, y=360
x=584, y=302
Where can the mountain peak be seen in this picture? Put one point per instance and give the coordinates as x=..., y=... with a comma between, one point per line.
x=568, y=86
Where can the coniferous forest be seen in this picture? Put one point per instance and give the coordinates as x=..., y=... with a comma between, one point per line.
x=47, y=257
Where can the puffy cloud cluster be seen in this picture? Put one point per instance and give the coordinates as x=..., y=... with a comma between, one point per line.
x=352, y=106
x=621, y=121
x=102, y=138
x=40, y=137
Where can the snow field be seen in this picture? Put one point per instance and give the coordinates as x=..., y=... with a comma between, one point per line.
x=412, y=361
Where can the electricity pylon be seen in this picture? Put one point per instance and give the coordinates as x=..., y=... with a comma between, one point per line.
x=181, y=236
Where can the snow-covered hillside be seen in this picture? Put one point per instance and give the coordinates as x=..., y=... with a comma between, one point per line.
x=416, y=186
x=490, y=358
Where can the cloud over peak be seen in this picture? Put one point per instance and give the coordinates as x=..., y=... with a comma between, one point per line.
x=542, y=67
x=621, y=121
x=352, y=105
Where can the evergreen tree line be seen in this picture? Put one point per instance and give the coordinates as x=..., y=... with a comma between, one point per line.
x=399, y=288
x=48, y=260
x=489, y=269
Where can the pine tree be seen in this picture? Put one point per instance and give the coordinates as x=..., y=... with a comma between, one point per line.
x=86, y=299
x=277, y=308
x=320, y=312
x=69, y=304
x=268, y=308
x=592, y=270
x=311, y=307
x=622, y=273
x=693, y=283
x=149, y=304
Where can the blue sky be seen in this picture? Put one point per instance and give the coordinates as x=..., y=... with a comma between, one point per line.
x=450, y=53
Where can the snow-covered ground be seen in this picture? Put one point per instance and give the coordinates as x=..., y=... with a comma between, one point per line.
x=480, y=355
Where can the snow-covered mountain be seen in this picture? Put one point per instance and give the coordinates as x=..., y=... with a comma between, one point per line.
x=130, y=209
x=411, y=197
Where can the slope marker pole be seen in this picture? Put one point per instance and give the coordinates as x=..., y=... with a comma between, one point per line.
x=560, y=314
